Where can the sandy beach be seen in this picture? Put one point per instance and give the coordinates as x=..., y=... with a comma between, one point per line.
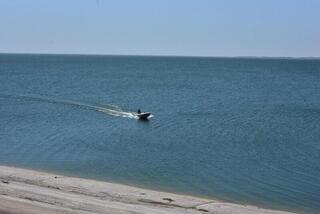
x=28, y=191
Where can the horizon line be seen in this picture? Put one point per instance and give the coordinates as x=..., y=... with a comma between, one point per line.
x=164, y=55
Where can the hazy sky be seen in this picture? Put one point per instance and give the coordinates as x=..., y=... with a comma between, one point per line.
x=162, y=27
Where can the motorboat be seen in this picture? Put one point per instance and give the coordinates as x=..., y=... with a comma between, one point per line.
x=143, y=115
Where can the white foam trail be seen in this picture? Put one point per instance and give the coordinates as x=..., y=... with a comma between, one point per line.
x=117, y=113
x=109, y=109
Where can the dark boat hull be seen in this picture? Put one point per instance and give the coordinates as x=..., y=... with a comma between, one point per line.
x=144, y=115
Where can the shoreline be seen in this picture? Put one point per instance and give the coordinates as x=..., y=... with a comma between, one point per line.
x=29, y=191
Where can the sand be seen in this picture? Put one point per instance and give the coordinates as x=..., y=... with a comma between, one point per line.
x=28, y=191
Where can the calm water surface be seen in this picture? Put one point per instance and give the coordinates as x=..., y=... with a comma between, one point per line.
x=242, y=130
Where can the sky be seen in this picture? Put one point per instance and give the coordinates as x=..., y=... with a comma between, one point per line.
x=273, y=28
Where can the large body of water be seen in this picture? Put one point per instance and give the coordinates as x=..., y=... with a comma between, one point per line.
x=242, y=130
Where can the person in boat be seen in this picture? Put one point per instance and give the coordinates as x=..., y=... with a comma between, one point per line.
x=139, y=111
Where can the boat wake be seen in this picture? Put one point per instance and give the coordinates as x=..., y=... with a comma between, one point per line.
x=108, y=109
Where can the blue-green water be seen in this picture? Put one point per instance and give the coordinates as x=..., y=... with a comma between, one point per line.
x=243, y=130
